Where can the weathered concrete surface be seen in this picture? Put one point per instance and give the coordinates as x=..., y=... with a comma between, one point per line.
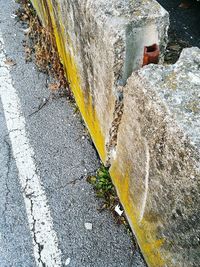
x=63, y=159
x=145, y=129
x=156, y=166
x=101, y=43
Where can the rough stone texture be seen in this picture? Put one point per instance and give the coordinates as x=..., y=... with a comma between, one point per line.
x=145, y=129
x=101, y=43
x=41, y=11
x=156, y=165
x=63, y=160
x=179, y=85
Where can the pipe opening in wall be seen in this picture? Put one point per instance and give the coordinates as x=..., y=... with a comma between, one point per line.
x=151, y=54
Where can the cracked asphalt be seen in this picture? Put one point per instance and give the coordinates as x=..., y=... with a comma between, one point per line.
x=64, y=156
x=184, y=23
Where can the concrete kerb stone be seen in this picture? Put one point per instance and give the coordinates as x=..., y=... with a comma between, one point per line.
x=100, y=44
x=156, y=165
x=41, y=11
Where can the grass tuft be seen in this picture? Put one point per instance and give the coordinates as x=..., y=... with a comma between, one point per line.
x=105, y=190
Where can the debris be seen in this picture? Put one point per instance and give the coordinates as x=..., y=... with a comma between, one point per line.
x=175, y=47
x=13, y=16
x=118, y=210
x=44, y=100
x=26, y=31
x=92, y=180
x=53, y=86
x=40, y=45
x=88, y=226
x=105, y=190
x=67, y=261
x=10, y=62
x=28, y=53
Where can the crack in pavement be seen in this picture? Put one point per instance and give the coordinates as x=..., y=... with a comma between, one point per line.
x=8, y=164
x=33, y=230
x=47, y=100
x=38, y=212
x=29, y=196
x=41, y=105
x=74, y=181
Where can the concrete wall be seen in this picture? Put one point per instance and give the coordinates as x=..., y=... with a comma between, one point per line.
x=156, y=165
x=101, y=44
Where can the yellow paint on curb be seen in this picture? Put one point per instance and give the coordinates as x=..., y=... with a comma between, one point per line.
x=83, y=100
x=150, y=246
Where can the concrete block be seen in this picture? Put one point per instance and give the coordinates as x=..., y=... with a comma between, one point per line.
x=40, y=7
x=156, y=163
x=100, y=43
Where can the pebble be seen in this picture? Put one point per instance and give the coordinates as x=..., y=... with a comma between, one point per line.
x=88, y=226
x=118, y=210
x=67, y=261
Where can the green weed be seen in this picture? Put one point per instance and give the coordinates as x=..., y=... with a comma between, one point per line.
x=105, y=190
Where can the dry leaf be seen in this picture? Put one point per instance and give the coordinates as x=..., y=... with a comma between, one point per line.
x=27, y=50
x=43, y=46
x=10, y=62
x=53, y=86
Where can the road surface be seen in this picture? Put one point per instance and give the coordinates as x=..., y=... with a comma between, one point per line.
x=184, y=23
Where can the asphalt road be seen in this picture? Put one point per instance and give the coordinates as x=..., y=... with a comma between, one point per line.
x=45, y=158
x=184, y=23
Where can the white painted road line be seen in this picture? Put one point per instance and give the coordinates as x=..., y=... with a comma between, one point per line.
x=44, y=238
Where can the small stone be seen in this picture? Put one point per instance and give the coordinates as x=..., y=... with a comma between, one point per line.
x=118, y=210
x=13, y=16
x=26, y=30
x=10, y=62
x=67, y=261
x=88, y=226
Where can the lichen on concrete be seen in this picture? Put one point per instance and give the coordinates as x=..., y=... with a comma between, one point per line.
x=178, y=85
x=156, y=116
x=94, y=39
x=144, y=124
